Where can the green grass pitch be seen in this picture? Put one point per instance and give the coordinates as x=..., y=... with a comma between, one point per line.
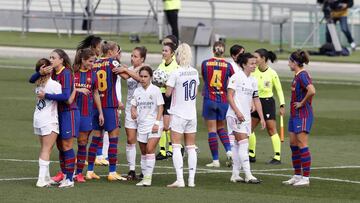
x=334, y=143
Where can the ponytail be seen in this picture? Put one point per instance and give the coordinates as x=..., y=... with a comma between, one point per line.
x=267, y=55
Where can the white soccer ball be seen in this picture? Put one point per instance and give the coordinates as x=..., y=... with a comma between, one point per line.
x=160, y=77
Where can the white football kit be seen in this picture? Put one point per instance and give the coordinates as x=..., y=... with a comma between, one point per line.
x=147, y=102
x=46, y=112
x=185, y=82
x=245, y=90
x=131, y=86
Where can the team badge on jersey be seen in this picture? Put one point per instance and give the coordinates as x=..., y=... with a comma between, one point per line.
x=116, y=63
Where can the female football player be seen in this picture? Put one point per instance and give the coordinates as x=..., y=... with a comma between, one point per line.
x=242, y=92
x=86, y=94
x=46, y=123
x=147, y=110
x=216, y=72
x=301, y=118
x=168, y=64
x=182, y=85
x=267, y=79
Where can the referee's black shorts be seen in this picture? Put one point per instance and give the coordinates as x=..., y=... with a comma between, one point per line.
x=167, y=104
x=268, y=107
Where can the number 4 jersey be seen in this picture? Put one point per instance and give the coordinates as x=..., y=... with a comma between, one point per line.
x=185, y=82
x=107, y=81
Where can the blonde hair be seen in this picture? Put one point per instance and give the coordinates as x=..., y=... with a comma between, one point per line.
x=106, y=46
x=183, y=55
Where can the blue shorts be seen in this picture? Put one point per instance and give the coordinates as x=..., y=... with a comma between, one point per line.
x=214, y=110
x=69, y=123
x=86, y=123
x=111, y=119
x=297, y=125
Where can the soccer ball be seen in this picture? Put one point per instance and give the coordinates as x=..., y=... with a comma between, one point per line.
x=160, y=77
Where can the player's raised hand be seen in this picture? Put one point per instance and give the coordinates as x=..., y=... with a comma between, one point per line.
x=44, y=70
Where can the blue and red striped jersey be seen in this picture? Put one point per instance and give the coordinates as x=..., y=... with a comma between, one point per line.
x=298, y=91
x=66, y=79
x=106, y=81
x=216, y=72
x=85, y=79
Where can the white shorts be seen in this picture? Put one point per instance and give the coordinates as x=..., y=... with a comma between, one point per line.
x=46, y=130
x=130, y=123
x=144, y=137
x=235, y=125
x=181, y=125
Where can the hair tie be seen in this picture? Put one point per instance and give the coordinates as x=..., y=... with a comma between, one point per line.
x=297, y=62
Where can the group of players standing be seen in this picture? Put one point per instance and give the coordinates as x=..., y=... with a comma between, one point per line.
x=77, y=99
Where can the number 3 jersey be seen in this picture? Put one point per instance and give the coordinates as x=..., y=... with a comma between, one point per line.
x=185, y=82
x=216, y=73
x=46, y=111
x=107, y=81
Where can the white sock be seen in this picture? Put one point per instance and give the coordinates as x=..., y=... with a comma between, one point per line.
x=178, y=162
x=105, y=144
x=43, y=168
x=150, y=164
x=243, y=153
x=192, y=161
x=143, y=164
x=236, y=160
x=131, y=156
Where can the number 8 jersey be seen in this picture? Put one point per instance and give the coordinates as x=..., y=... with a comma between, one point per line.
x=185, y=82
x=106, y=81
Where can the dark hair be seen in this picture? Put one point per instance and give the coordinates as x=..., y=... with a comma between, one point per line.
x=62, y=54
x=142, y=50
x=219, y=48
x=90, y=41
x=243, y=59
x=172, y=47
x=235, y=49
x=82, y=54
x=267, y=54
x=41, y=62
x=173, y=40
x=299, y=57
x=147, y=69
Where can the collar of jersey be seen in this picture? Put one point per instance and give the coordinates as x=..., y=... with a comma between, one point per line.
x=83, y=71
x=61, y=69
x=299, y=72
x=217, y=58
x=264, y=70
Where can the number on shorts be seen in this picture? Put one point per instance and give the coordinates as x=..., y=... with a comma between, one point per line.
x=102, y=84
x=190, y=90
x=216, y=79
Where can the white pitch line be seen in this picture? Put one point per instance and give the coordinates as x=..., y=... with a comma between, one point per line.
x=207, y=171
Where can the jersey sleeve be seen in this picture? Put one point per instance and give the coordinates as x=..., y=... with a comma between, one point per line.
x=197, y=79
x=256, y=89
x=118, y=88
x=172, y=80
x=133, y=99
x=159, y=97
x=34, y=77
x=278, y=88
x=305, y=79
x=232, y=82
x=65, y=88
